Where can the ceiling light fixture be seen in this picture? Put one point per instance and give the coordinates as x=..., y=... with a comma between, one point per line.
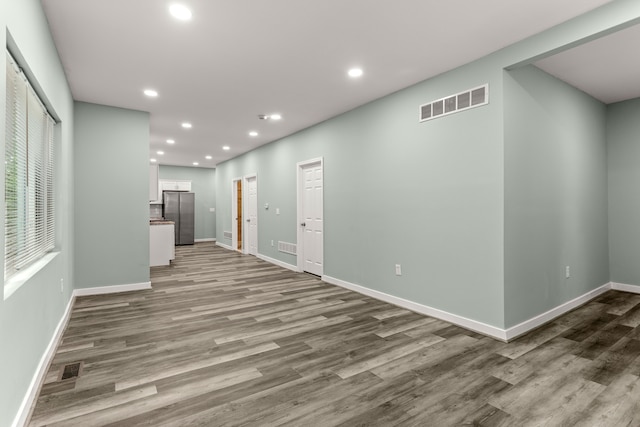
x=180, y=11
x=226, y=148
x=150, y=93
x=195, y=163
x=355, y=72
x=187, y=125
x=171, y=141
x=253, y=133
x=152, y=160
x=208, y=157
x=160, y=153
x=275, y=117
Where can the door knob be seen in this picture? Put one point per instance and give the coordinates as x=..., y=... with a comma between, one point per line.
x=304, y=224
x=248, y=220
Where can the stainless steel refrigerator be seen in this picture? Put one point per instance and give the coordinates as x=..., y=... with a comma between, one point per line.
x=179, y=207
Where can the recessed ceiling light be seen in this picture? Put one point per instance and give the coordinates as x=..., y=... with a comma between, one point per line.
x=187, y=125
x=355, y=72
x=152, y=160
x=275, y=117
x=226, y=148
x=180, y=11
x=160, y=153
x=170, y=141
x=208, y=157
x=253, y=133
x=150, y=93
x=195, y=163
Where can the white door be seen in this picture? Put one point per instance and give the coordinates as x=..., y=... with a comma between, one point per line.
x=236, y=214
x=252, y=215
x=312, y=225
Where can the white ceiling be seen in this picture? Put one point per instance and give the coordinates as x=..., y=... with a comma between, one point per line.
x=607, y=68
x=237, y=59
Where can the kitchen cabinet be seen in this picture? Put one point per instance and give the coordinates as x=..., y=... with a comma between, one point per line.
x=153, y=183
x=162, y=247
x=175, y=185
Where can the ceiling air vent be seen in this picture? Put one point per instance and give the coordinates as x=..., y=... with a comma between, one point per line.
x=454, y=103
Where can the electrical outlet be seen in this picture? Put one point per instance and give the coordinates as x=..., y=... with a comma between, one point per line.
x=277, y=211
x=61, y=285
x=272, y=243
x=567, y=272
x=398, y=270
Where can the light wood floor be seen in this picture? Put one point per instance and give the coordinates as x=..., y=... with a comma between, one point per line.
x=225, y=339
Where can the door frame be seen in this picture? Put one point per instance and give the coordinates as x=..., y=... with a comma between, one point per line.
x=234, y=213
x=299, y=216
x=245, y=198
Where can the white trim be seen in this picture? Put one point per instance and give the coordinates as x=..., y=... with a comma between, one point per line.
x=483, y=328
x=534, y=322
x=38, y=377
x=299, y=198
x=634, y=289
x=473, y=325
x=100, y=290
x=23, y=276
x=208, y=239
x=278, y=263
x=222, y=245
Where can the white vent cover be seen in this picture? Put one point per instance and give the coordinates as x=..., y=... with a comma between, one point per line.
x=288, y=248
x=454, y=103
x=228, y=234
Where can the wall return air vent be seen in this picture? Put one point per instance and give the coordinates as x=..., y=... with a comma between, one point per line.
x=471, y=98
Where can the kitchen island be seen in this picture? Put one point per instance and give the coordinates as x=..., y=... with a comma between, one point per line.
x=162, y=247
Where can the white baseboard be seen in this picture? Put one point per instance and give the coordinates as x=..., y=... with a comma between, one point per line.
x=208, y=239
x=100, y=290
x=34, y=387
x=492, y=331
x=473, y=325
x=279, y=263
x=635, y=289
x=222, y=245
x=527, y=325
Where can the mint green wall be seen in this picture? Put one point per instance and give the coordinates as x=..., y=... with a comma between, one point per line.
x=623, y=137
x=430, y=196
x=111, y=196
x=29, y=317
x=203, y=184
x=555, y=193
x=425, y=195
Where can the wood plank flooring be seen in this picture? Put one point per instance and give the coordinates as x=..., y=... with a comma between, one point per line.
x=225, y=339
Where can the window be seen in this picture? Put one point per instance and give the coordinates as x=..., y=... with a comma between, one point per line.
x=29, y=201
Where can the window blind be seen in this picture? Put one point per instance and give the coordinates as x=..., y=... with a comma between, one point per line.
x=29, y=177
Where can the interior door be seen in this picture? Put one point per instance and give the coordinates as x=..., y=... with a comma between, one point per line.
x=236, y=214
x=238, y=239
x=252, y=215
x=312, y=218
